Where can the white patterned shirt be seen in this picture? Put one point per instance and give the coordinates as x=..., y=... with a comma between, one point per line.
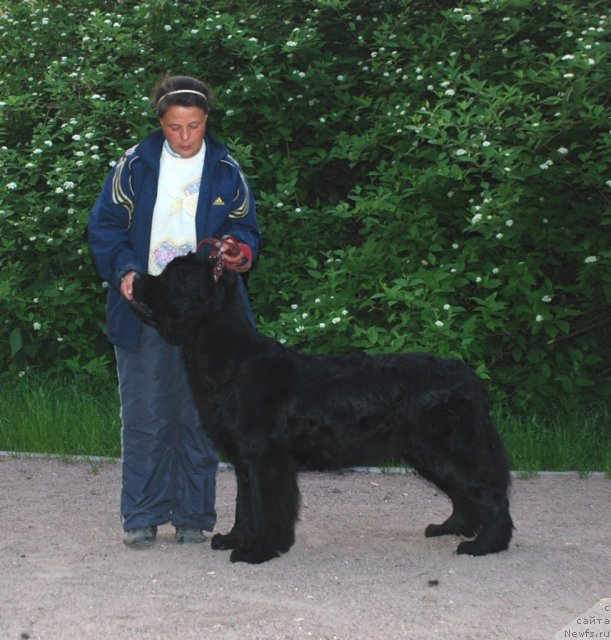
x=173, y=227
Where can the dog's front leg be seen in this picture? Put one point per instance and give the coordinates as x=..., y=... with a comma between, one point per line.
x=240, y=532
x=273, y=509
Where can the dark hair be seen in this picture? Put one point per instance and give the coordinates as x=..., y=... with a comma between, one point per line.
x=164, y=97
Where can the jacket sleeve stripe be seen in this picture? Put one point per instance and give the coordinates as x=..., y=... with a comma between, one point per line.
x=242, y=210
x=119, y=195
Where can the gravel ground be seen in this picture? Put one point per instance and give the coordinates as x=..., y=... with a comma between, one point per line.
x=361, y=567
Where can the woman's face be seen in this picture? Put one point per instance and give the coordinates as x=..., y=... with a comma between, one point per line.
x=184, y=129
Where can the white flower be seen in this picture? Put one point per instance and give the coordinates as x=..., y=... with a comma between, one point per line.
x=509, y=222
x=546, y=298
x=167, y=27
x=49, y=143
x=294, y=306
x=476, y=218
x=568, y=56
x=76, y=137
x=499, y=236
x=591, y=259
x=486, y=143
x=446, y=307
x=467, y=17
x=69, y=185
x=336, y=320
x=11, y=185
x=562, y=151
x=321, y=325
x=439, y=323
x=450, y=92
x=460, y=152
x=539, y=318
x=36, y=326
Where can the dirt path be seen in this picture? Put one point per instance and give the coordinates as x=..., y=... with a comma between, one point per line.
x=361, y=567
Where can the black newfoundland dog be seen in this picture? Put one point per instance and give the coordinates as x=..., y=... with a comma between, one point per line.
x=273, y=411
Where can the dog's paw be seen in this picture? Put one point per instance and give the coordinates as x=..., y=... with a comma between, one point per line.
x=451, y=528
x=434, y=530
x=222, y=542
x=474, y=548
x=253, y=555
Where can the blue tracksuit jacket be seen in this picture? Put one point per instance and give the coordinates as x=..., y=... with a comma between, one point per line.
x=120, y=222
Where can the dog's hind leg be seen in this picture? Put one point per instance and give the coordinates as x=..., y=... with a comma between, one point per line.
x=464, y=521
x=480, y=509
x=460, y=451
x=496, y=524
x=274, y=508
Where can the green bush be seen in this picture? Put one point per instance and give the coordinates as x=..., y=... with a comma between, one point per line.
x=429, y=176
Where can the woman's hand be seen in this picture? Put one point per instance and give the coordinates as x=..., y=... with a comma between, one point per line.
x=237, y=256
x=127, y=285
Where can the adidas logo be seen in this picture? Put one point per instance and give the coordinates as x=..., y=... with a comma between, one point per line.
x=218, y=201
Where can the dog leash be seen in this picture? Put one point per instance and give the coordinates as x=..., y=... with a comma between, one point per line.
x=221, y=249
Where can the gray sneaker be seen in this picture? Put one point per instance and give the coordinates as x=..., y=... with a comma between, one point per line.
x=140, y=538
x=189, y=534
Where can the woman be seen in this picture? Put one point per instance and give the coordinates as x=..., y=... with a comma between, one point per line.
x=176, y=187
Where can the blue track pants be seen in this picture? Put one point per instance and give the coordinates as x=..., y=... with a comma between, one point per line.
x=168, y=464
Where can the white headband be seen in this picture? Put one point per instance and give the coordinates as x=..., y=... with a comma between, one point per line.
x=171, y=93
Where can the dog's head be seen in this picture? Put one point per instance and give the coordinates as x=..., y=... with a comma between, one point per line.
x=182, y=297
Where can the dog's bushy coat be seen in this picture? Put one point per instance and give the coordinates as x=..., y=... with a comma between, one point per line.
x=273, y=411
